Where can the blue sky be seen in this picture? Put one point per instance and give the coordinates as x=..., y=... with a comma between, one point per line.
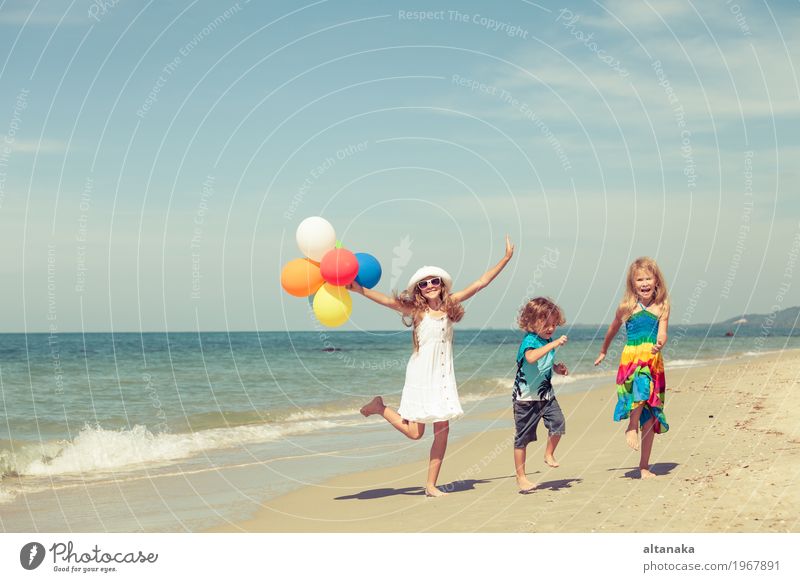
x=144, y=145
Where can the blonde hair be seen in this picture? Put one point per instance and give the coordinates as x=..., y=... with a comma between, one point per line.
x=414, y=305
x=538, y=312
x=629, y=300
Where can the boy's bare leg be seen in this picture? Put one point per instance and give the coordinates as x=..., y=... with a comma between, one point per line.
x=550, y=449
x=524, y=485
x=632, y=432
x=413, y=430
x=647, y=446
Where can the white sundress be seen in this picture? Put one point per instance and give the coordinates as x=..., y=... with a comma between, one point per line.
x=430, y=393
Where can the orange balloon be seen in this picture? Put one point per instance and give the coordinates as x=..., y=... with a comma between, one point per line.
x=301, y=277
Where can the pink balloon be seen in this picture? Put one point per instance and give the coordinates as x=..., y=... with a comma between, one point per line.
x=339, y=267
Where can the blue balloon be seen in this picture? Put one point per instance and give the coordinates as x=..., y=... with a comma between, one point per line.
x=369, y=270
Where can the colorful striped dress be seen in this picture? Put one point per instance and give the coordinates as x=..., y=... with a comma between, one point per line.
x=640, y=378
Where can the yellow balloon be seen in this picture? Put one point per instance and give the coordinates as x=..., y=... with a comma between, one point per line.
x=332, y=305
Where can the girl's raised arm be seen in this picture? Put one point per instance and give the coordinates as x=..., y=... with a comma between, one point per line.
x=377, y=297
x=610, y=334
x=487, y=277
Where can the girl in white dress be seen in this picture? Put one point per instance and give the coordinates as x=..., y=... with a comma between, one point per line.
x=430, y=393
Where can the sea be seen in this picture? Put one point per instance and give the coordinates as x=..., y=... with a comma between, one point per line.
x=189, y=431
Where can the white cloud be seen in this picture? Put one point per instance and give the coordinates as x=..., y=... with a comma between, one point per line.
x=43, y=15
x=715, y=68
x=639, y=15
x=715, y=81
x=45, y=146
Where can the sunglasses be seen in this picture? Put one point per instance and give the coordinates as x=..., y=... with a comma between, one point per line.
x=435, y=282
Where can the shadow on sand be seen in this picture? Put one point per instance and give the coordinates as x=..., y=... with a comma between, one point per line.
x=656, y=468
x=454, y=487
x=383, y=492
x=558, y=485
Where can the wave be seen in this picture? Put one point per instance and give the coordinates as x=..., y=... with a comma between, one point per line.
x=15, y=455
x=476, y=396
x=227, y=419
x=569, y=379
x=6, y=496
x=315, y=413
x=765, y=352
x=686, y=363
x=98, y=450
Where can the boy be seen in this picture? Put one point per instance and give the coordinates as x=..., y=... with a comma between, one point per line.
x=533, y=397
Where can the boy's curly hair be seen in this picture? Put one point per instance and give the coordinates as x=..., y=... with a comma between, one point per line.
x=539, y=311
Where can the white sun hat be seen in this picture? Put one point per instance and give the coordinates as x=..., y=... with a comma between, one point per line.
x=429, y=271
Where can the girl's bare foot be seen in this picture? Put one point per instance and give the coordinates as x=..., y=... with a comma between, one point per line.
x=524, y=485
x=374, y=406
x=646, y=474
x=632, y=438
x=551, y=460
x=432, y=491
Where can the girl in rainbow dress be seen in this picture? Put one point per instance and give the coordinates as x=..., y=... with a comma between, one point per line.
x=644, y=310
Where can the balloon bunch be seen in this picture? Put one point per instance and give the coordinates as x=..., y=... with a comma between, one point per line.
x=325, y=271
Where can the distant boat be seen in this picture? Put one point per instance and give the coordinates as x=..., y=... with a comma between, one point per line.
x=728, y=334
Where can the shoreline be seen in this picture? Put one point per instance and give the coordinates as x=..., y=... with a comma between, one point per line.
x=727, y=465
x=268, y=486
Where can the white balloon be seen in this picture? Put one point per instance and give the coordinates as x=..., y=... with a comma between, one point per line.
x=315, y=237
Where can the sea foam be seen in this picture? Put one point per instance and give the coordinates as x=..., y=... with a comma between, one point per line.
x=99, y=450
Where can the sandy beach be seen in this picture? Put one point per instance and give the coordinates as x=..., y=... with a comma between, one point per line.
x=729, y=463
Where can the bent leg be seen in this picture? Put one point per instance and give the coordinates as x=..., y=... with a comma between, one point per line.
x=413, y=430
x=440, y=432
x=648, y=435
x=556, y=426
x=550, y=449
x=632, y=432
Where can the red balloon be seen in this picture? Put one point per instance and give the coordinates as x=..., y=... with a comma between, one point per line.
x=339, y=267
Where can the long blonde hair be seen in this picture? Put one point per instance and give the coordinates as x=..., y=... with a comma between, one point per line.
x=415, y=305
x=660, y=297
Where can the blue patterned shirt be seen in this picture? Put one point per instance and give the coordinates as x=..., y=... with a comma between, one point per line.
x=533, y=381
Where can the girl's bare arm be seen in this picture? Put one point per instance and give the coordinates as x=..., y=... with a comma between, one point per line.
x=613, y=329
x=377, y=297
x=487, y=277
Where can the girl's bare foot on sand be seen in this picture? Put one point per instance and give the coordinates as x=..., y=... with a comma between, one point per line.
x=646, y=474
x=374, y=406
x=551, y=460
x=632, y=438
x=434, y=492
x=524, y=485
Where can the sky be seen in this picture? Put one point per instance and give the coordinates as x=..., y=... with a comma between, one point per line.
x=156, y=158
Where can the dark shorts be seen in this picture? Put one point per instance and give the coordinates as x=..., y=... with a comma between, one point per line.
x=527, y=416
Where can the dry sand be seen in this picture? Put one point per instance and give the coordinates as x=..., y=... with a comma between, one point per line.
x=729, y=463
